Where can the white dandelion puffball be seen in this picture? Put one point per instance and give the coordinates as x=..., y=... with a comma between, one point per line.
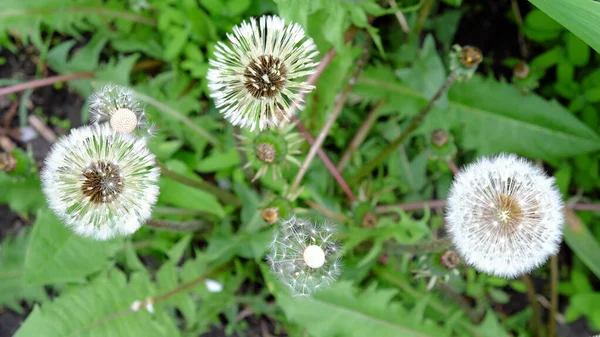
x=101, y=183
x=504, y=215
x=118, y=106
x=259, y=74
x=304, y=256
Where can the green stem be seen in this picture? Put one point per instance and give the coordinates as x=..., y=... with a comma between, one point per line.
x=423, y=14
x=413, y=125
x=180, y=227
x=536, y=320
x=223, y=195
x=419, y=248
x=474, y=316
x=553, y=296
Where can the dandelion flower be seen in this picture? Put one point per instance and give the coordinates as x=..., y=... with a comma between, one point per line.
x=118, y=106
x=304, y=256
x=256, y=77
x=504, y=216
x=101, y=183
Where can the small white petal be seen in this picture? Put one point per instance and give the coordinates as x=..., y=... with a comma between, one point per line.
x=213, y=286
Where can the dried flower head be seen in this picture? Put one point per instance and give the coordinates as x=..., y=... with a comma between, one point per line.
x=270, y=215
x=439, y=137
x=504, y=215
x=7, y=162
x=256, y=77
x=118, y=106
x=449, y=259
x=304, y=256
x=101, y=183
x=521, y=70
x=464, y=61
x=271, y=149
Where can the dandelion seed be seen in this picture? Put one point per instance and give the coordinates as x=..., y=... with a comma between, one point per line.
x=304, y=256
x=256, y=77
x=101, y=183
x=504, y=216
x=118, y=106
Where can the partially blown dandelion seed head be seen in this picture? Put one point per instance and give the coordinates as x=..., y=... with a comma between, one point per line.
x=257, y=76
x=504, y=215
x=101, y=183
x=118, y=106
x=304, y=256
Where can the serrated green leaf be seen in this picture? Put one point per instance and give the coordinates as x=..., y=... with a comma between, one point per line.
x=351, y=313
x=97, y=310
x=12, y=288
x=496, y=117
x=58, y=255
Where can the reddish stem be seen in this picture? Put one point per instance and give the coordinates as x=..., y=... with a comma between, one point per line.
x=44, y=82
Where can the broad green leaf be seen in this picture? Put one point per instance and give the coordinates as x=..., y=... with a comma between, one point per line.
x=579, y=16
x=97, y=310
x=579, y=238
x=180, y=195
x=342, y=310
x=58, y=255
x=12, y=288
x=219, y=161
x=22, y=194
x=495, y=117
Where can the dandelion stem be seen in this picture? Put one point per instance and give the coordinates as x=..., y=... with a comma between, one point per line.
x=432, y=246
x=180, y=117
x=221, y=194
x=413, y=125
x=418, y=205
x=474, y=317
x=44, y=82
x=536, y=322
x=328, y=124
x=360, y=135
x=400, y=17
x=422, y=16
x=553, y=296
x=334, y=172
x=173, y=226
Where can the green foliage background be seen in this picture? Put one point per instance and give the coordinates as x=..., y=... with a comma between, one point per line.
x=161, y=49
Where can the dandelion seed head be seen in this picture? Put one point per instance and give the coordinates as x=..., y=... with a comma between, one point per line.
x=255, y=77
x=101, y=183
x=504, y=215
x=119, y=106
x=304, y=256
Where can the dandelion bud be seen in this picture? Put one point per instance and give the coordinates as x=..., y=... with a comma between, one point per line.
x=101, y=183
x=504, y=216
x=449, y=259
x=257, y=76
x=270, y=215
x=118, y=106
x=304, y=256
x=7, y=162
x=271, y=149
x=521, y=70
x=439, y=137
x=464, y=61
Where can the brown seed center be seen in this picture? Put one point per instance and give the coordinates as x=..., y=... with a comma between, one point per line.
x=265, y=76
x=102, y=182
x=508, y=212
x=266, y=152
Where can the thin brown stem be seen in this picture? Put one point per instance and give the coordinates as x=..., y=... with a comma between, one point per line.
x=452, y=167
x=432, y=246
x=422, y=16
x=586, y=207
x=360, y=135
x=180, y=227
x=411, y=127
x=44, y=82
x=331, y=215
x=536, y=321
x=328, y=124
x=221, y=194
x=553, y=296
x=400, y=17
x=415, y=206
x=519, y=21
x=334, y=172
